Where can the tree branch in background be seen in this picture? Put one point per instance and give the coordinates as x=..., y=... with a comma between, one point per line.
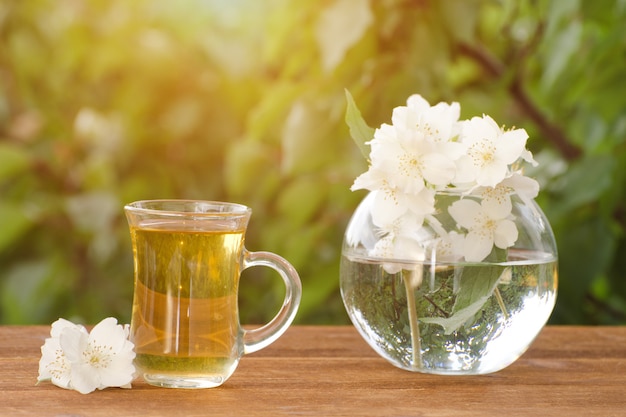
x=496, y=69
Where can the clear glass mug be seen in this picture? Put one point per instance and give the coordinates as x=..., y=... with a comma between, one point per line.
x=188, y=257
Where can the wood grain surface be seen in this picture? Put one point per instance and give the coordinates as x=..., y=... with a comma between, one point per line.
x=331, y=371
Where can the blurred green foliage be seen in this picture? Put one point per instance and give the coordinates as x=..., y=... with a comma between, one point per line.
x=109, y=101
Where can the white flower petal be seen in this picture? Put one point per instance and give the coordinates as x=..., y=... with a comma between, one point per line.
x=53, y=365
x=479, y=128
x=84, y=379
x=48, y=355
x=466, y=212
x=417, y=103
x=384, y=133
x=449, y=248
x=62, y=380
x=108, y=333
x=405, y=251
x=403, y=117
x=453, y=150
x=407, y=117
x=372, y=179
x=438, y=169
x=420, y=204
x=386, y=208
x=505, y=234
x=58, y=326
x=477, y=246
x=528, y=157
x=444, y=118
x=496, y=202
x=491, y=174
x=465, y=172
x=119, y=373
x=408, y=249
x=383, y=247
x=73, y=342
x=511, y=145
x=525, y=186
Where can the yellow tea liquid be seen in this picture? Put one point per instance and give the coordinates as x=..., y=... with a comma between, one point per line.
x=185, y=322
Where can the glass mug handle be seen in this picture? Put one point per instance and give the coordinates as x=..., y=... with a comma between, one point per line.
x=257, y=339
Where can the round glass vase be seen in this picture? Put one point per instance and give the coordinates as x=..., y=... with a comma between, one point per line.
x=444, y=316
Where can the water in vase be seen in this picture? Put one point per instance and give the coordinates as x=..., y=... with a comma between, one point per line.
x=454, y=318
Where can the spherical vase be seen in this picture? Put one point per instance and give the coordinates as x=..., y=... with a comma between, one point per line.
x=432, y=310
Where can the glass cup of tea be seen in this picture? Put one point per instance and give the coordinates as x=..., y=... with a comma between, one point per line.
x=188, y=257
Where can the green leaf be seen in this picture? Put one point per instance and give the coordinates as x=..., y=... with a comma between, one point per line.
x=459, y=318
x=476, y=283
x=476, y=286
x=359, y=130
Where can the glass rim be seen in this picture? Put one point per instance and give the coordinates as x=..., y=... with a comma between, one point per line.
x=187, y=207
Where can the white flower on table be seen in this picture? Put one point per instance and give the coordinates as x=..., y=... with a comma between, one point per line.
x=486, y=224
x=53, y=365
x=72, y=358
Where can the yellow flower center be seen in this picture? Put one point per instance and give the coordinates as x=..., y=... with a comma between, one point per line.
x=482, y=153
x=498, y=193
x=98, y=356
x=410, y=166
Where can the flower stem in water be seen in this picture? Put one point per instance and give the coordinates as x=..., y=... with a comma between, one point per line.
x=412, y=281
x=496, y=292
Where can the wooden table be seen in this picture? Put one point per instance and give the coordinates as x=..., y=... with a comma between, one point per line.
x=330, y=371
